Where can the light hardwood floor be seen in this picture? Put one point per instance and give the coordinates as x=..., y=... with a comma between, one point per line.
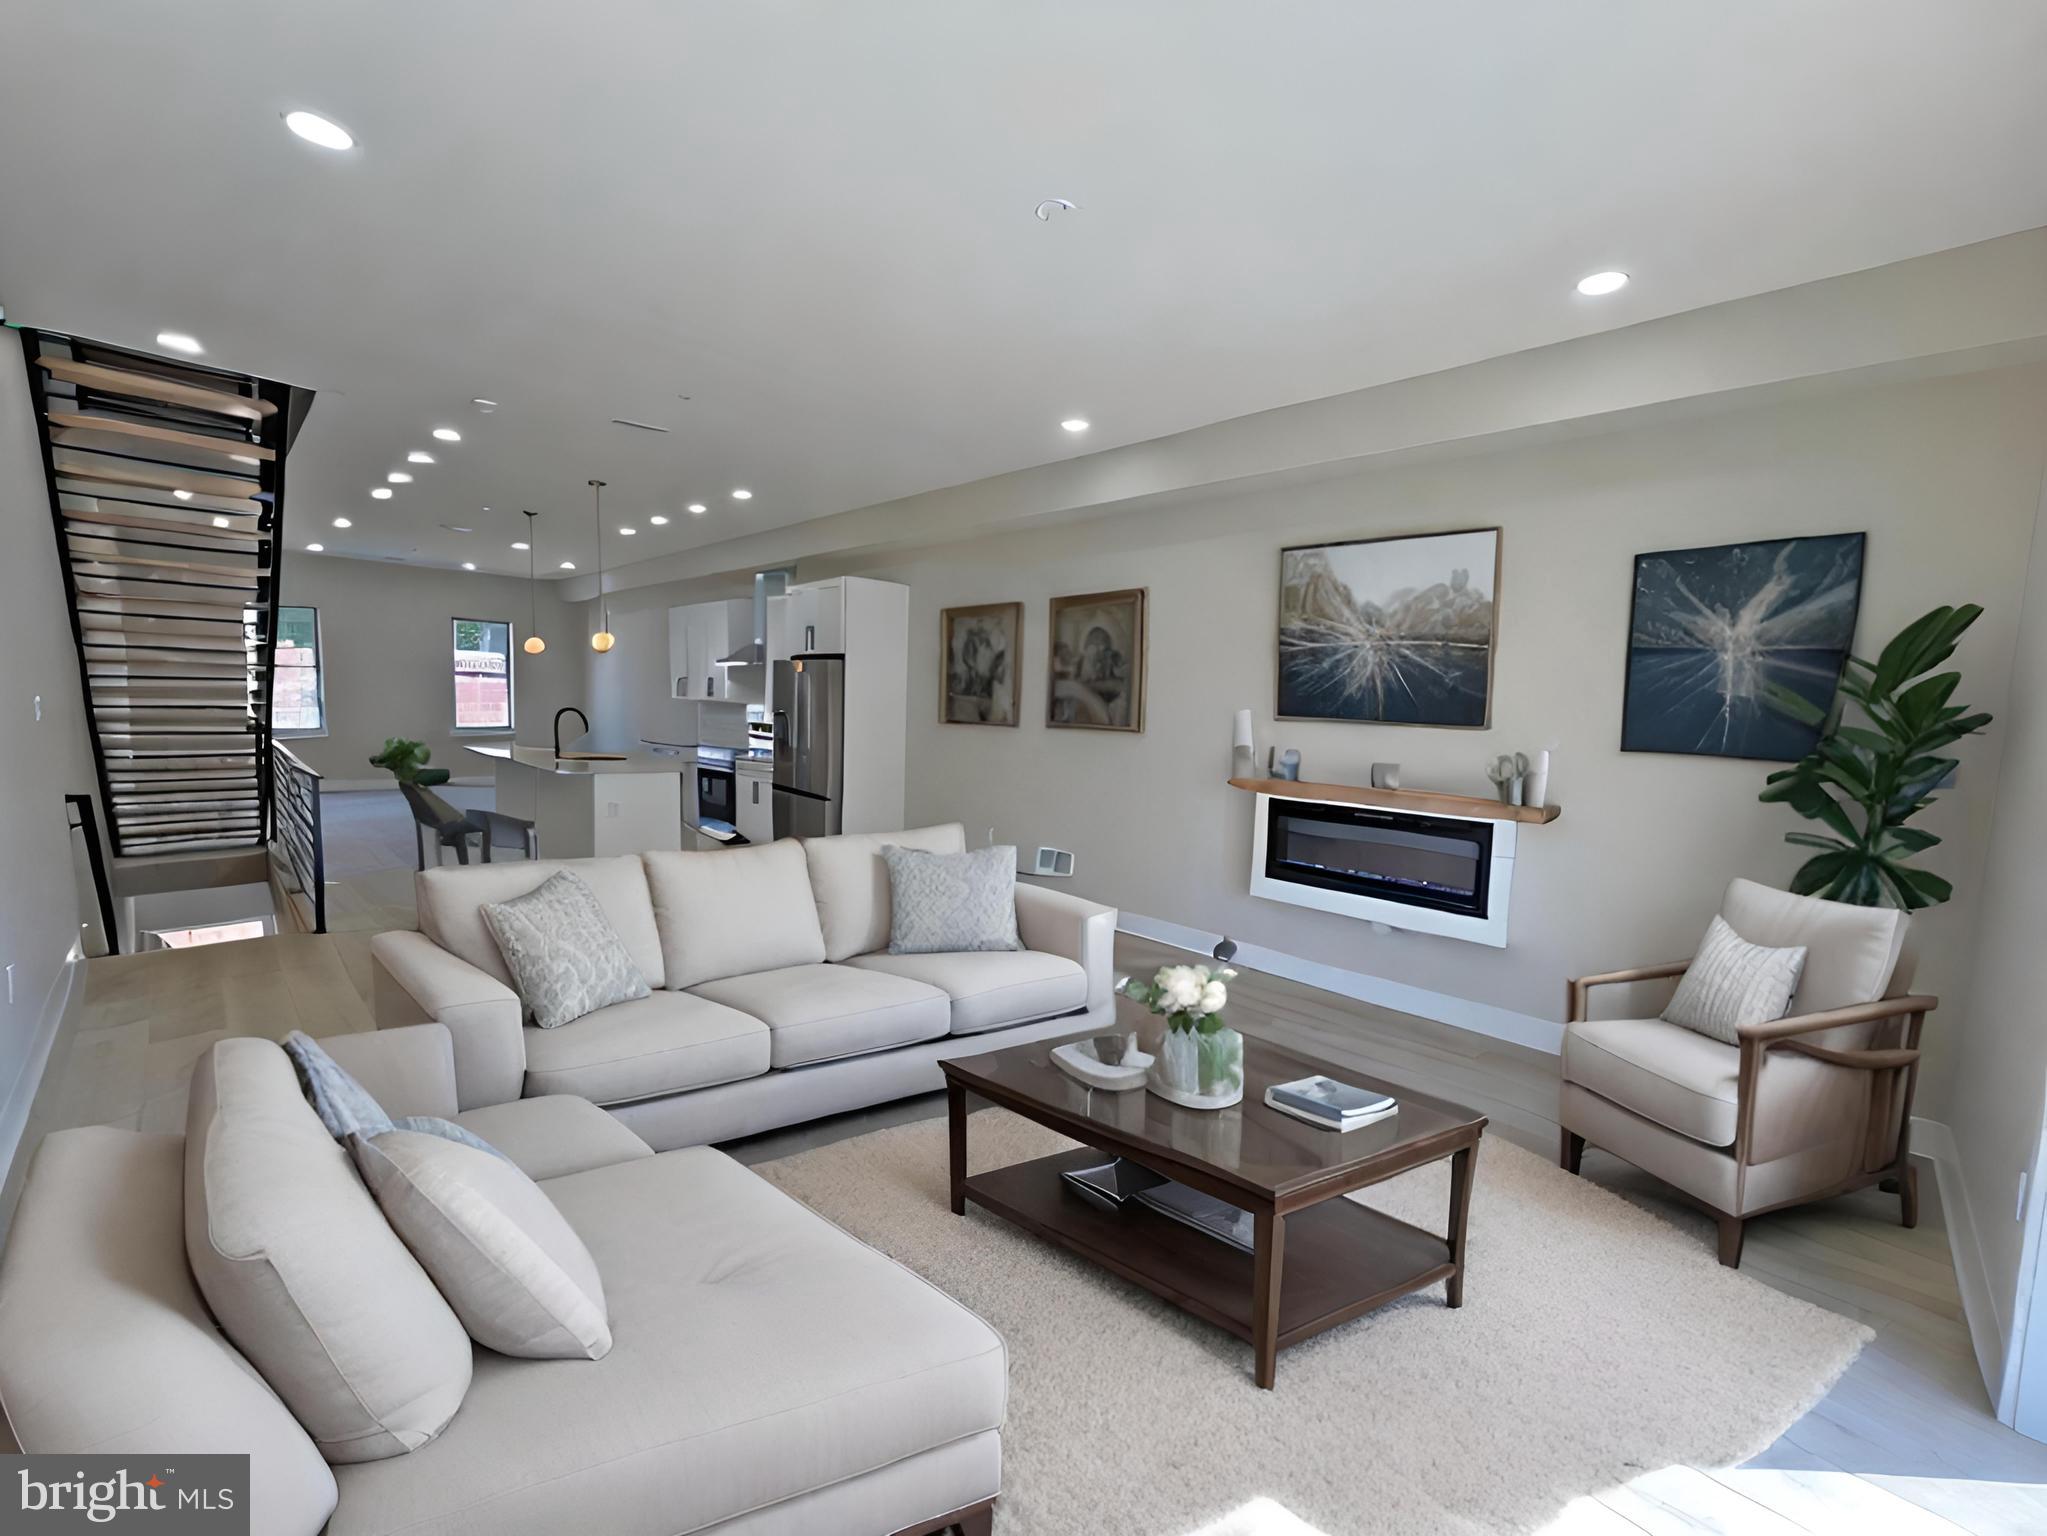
x=1905, y=1442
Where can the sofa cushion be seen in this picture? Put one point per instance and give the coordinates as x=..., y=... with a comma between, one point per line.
x=554, y=1134
x=659, y=1044
x=514, y=1271
x=992, y=988
x=819, y=1012
x=105, y=1344
x=734, y=911
x=564, y=955
x=302, y=1269
x=850, y=881
x=451, y=901
x=762, y=1353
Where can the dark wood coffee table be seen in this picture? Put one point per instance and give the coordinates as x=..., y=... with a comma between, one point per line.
x=1338, y=1259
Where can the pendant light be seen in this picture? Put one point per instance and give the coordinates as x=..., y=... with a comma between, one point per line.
x=534, y=644
x=603, y=640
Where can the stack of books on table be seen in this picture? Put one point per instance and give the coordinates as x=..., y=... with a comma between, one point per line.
x=1325, y=1102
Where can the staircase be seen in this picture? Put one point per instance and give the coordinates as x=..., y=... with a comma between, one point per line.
x=166, y=485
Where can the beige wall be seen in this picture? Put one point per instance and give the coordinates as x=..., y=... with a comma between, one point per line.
x=2001, y=1075
x=385, y=630
x=1944, y=476
x=40, y=761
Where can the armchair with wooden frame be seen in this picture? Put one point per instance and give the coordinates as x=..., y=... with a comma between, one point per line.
x=1812, y=1105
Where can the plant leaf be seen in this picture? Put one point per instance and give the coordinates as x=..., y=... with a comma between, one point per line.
x=1788, y=701
x=1926, y=883
x=1909, y=840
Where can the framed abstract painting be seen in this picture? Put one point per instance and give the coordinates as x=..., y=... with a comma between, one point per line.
x=1713, y=630
x=1394, y=631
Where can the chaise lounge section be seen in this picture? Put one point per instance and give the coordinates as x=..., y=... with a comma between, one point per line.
x=774, y=997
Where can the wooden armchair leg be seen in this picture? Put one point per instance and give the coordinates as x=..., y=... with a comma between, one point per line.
x=1730, y=1241
x=1570, y=1151
x=1908, y=1197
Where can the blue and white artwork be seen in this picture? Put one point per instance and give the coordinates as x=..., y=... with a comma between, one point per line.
x=1714, y=628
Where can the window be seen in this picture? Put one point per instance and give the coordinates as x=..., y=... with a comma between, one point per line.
x=298, y=700
x=483, y=675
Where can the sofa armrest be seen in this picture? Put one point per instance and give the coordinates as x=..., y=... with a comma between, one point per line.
x=409, y=1070
x=416, y=981
x=1083, y=931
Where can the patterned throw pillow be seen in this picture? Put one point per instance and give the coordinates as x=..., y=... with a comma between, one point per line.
x=945, y=902
x=565, y=957
x=347, y=1108
x=1732, y=982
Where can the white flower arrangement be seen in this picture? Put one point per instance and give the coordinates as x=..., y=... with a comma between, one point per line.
x=1189, y=996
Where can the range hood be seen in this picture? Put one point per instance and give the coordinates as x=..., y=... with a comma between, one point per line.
x=754, y=652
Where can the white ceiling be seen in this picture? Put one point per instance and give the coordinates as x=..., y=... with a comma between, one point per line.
x=814, y=219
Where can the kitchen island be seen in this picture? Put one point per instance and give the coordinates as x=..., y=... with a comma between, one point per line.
x=590, y=807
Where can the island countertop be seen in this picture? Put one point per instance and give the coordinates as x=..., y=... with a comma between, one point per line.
x=543, y=760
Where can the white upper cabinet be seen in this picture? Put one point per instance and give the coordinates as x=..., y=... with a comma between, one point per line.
x=699, y=634
x=816, y=618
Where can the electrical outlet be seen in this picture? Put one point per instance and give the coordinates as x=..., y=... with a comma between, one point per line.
x=611, y=810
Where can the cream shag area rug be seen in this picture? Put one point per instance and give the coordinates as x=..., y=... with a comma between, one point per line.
x=1596, y=1342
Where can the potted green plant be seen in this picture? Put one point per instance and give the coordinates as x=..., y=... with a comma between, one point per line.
x=1863, y=782
x=407, y=762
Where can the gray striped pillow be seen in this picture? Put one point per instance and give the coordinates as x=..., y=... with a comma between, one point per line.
x=1732, y=982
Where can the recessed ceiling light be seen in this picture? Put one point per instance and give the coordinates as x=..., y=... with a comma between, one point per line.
x=220, y=522
x=742, y=494
x=698, y=508
x=447, y=434
x=485, y=406
x=1599, y=284
x=468, y=565
x=182, y=495
x=315, y=548
x=520, y=544
x=382, y=493
x=399, y=477
x=568, y=565
x=178, y=341
x=342, y=522
x=416, y=457
x=458, y=527
x=626, y=533
x=315, y=129
x=1075, y=423
x=658, y=520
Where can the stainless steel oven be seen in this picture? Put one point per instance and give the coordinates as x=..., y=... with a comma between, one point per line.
x=717, y=792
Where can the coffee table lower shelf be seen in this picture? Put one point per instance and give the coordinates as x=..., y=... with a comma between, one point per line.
x=1342, y=1259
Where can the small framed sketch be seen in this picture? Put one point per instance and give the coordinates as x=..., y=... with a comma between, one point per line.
x=982, y=646
x=1097, y=661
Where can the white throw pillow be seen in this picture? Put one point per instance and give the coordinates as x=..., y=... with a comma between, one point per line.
x=508, y=1262
x=948, y=903
x=565, y=957
x=1732, y=982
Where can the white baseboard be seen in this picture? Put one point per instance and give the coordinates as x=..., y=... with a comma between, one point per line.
x=1480, y=1018
x=349, y=786
x=1934, y=1141
x=22, y=1096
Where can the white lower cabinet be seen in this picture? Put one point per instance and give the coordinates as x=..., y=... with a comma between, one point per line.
x=756, y=796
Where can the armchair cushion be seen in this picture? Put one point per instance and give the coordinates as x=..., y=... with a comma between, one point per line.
x=1851, y=952
x=1732, y=982
x=1664, y=1072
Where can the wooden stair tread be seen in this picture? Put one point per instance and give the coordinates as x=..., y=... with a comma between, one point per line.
x=69, y=422
x=145, y=386
x=158, y=476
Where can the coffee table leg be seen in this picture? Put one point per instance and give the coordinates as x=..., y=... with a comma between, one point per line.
x=1269, y=1243
x=1462, y=1166
x=956, y=1134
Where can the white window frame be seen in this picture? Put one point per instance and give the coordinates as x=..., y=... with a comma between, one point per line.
x=319, y=677
x=511, y=681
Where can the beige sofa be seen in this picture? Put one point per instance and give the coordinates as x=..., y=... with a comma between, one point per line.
x=775, y=1000
x=769, y=1376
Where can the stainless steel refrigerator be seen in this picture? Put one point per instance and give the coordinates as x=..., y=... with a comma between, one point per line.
x=810, y=746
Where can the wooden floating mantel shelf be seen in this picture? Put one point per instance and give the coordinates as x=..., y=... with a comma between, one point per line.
x=1421, y=801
